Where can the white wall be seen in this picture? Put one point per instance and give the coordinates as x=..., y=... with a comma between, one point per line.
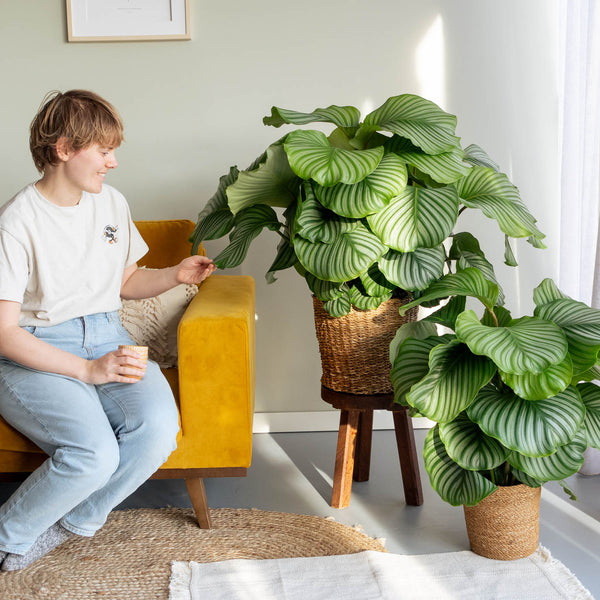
x=192, y=109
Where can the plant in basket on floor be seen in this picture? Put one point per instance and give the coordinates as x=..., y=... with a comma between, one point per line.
x=513, y=400
x=363, y=213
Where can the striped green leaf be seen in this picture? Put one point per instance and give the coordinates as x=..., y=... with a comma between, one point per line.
x=580, y=324
x=342, y=116
x=312, y=157
x=563, y=463
x=317, y=224
x=411, y=362
x=424, y=123
x=478, y=157
x=446, y=316
x=455, y=377
x=215, y=220
x=547, y=292
x=538, y=386
x=370, y=194
x=416, y=218
x=590, y=394
x=365, y=302
x=413, y=270
x=443, y=168
x=340, y=306
x=509, y=255
x=350, y=255
x=375, y=283
x=498, y=199
x=469, y=282
x=285, y=258
x=248, y=225
x=454, y=484
x=412, y=329
x=272, y=183
x=528, y=344
x=465, y=250
x=469, y=447
x=533, y=428
x=325, y=290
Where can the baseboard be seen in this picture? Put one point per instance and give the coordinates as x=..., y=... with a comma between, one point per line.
x=325, y=420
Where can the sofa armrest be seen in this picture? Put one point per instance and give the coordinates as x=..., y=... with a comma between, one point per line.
x=216, y=351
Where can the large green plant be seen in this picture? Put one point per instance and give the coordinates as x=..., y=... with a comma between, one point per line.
x=367, y=209
x=513, y=399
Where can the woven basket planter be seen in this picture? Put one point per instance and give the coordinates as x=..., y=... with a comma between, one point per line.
x=505, y=525
x=355, y=348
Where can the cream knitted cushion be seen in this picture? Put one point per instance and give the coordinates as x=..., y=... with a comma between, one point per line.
x=153, y=322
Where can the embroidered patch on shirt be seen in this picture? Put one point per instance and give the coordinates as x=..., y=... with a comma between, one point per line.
x=110, y=234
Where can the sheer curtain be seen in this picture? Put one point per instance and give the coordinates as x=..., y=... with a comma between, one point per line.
x=579, y=268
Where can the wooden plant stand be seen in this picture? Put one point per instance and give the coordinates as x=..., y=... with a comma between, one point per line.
x=353, y=456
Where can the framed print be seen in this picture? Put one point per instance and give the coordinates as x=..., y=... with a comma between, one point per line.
x=127, y=20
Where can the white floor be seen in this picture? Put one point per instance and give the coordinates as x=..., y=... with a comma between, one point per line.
x=292, y=472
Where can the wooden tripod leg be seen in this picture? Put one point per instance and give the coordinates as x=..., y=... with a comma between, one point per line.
x=405, y=439
x=344, y=458
x=197, y=492
x=362, y=454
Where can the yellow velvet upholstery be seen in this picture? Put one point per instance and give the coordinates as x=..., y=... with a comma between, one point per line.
x=214, y=383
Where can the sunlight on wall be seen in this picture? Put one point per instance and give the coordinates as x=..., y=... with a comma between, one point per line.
x=430, y=63
x=366, y=107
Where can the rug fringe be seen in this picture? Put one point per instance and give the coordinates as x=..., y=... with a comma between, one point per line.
x=180, y=581
x=569, y=584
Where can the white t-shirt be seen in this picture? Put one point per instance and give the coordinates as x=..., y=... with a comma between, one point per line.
x=65, y=262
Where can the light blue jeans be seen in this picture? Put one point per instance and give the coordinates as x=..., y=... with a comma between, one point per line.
x=103, y=441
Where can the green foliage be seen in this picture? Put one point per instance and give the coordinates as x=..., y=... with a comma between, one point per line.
x=504, y=392
x=373, y=205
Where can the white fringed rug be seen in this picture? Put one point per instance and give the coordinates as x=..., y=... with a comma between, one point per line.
x=372, y=575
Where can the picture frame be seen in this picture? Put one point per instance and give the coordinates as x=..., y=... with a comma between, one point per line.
x=127, y=20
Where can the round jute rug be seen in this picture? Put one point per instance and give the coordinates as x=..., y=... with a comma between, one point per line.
x=130, y=557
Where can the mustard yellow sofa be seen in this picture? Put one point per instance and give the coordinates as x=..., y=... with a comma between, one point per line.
x=213, y=384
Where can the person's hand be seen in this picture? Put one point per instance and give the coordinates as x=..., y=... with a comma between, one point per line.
x=195, y=269
x=114, y=366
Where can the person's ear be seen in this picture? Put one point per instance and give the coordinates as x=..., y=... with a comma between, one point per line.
x=63, y=149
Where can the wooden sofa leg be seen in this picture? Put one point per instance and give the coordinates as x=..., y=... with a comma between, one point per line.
x=197, y=492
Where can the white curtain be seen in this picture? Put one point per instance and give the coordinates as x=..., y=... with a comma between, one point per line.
x=579, y=268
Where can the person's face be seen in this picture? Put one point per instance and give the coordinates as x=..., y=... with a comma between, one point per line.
x=87, y=168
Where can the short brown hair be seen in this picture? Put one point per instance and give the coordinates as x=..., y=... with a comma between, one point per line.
x=81, y=117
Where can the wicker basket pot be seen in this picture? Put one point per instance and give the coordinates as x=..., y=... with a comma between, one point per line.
x=505, y=525
x=355, y=348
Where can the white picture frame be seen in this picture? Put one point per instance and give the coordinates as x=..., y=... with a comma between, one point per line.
x=127, y=20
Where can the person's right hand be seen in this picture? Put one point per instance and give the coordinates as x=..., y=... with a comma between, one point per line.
x=122, y=365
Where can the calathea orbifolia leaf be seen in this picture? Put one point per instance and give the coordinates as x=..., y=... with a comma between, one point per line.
x=346, y=258
x=454, y=484
x=365, y=301
x=590, y=395
x=538, y=386
x=413, y=270
x=421, y=121
x=325, y=290
x=272, y=183
x=286, y=258
x=528, y=344
x=469, y=447
x=546, y=292
x=368, y=195
x=340, y=306
x=469, y=282
x=416, y=218
x=342, y=116
x=247, y=226
x=418, y=330
x=446, y=316
x=562, y=463
x=581, y=326
x=478, y=157
x=375, y=283
x=455, y=377
x=493, y=193
x=215, y=220
x=447, y=167
x=533, y=428
x=311, y=156
x=315, y=223
x=411, y=362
